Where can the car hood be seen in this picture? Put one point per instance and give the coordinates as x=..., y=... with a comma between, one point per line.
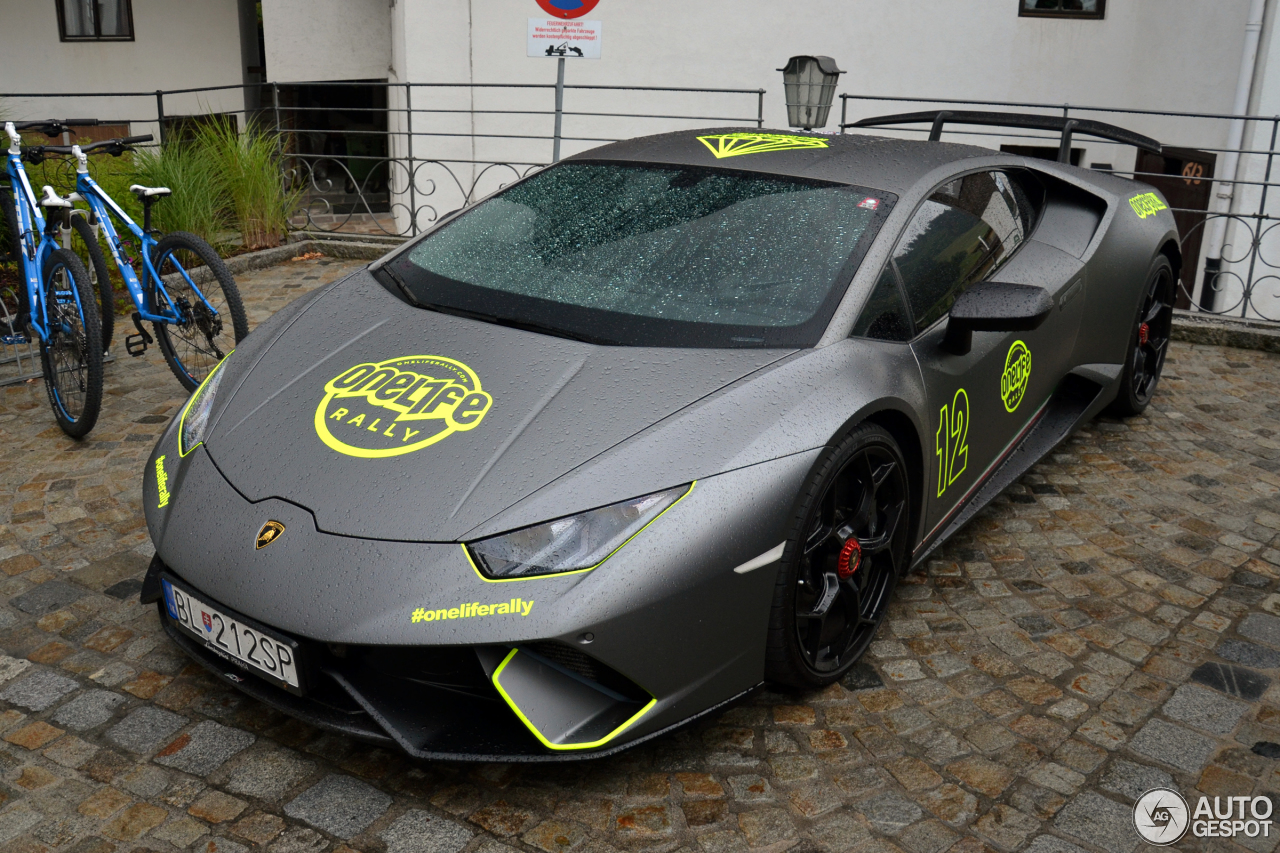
x=392, y=422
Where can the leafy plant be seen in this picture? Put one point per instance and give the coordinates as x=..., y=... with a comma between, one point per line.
x=250, y=167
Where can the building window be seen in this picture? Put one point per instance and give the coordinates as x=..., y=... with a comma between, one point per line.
x=95, y=20
x=1062, y=8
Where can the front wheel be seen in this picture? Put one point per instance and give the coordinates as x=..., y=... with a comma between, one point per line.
x=1148, y=341
x=71, y=353
x=208, y=327
x=847, y=549
x=85, y=244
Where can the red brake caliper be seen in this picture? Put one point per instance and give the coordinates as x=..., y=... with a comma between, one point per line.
x=850, y=558
x=1144, y=333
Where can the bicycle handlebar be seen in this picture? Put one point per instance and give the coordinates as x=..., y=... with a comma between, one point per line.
x=115, y=147
x=53, y=127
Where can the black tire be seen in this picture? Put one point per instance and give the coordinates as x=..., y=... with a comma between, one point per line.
x=195, y=346
x=86, y=246
x=1148, y=341
x=71, y=355
x=825, y=614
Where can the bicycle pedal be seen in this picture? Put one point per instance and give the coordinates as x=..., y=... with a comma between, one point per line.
x=135, y=345
x=14, y=340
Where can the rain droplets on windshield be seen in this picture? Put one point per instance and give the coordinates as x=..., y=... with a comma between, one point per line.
x=699, y=257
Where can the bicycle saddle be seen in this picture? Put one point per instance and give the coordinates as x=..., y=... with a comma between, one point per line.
x=52, y=199
x=149, y=192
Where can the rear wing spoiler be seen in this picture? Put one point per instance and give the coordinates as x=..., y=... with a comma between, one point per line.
x=1026, y=121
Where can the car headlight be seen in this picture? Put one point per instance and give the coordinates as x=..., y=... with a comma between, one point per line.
x=573, y=544
x=195, y=417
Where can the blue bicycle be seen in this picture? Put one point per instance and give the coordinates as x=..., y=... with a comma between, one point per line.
x=56, y=305
x=198, y=317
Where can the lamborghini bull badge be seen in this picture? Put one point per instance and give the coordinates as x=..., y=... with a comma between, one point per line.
x=269, y=533
x=400, y=405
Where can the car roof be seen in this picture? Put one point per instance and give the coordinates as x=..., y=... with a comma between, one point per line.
x=876, y=162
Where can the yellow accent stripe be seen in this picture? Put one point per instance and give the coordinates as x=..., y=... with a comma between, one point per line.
x=194, y=396
x=481, y=575
x=562, y=746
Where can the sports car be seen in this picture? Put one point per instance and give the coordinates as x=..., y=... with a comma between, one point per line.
x=646, y=430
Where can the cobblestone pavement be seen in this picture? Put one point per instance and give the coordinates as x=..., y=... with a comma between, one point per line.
x=1111, y=624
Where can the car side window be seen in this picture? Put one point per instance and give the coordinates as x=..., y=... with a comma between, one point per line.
x=884, y=317
x=962, y=234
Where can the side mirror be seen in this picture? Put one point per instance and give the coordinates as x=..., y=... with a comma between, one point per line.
x=995, y=306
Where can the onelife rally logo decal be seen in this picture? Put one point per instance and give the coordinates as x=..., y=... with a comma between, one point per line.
x=1017, y=372
x=738, y=144
x=399, y=405
x=1147, y=204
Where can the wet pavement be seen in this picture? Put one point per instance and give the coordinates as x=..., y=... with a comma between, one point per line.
x=1111, y=624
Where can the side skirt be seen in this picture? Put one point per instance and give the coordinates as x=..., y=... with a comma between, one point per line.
x=1071, y=404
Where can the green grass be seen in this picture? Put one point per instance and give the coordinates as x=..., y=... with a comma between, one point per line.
x=200, y=202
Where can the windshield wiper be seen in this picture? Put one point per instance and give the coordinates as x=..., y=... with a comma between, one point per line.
x=404, y=288
x=511, y=323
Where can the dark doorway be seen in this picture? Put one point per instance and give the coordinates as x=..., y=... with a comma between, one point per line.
x=338, y=138
x=1185, y=177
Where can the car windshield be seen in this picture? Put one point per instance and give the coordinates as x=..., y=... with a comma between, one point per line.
x=651, y=255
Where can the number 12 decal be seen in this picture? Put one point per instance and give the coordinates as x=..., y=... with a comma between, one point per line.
x=952, y=440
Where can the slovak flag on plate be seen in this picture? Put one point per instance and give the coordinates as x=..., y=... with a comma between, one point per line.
x=208, y=621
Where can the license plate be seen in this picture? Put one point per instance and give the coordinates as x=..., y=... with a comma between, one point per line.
x=264, y=653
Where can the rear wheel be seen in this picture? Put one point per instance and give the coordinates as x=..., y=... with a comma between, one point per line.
x=71, y=354
x=1148, y=342
x=85, y=244
x=847, y=549
x=202, y=338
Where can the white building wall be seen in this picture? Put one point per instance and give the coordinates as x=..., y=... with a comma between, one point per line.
x=327, y=39
x=176, y=45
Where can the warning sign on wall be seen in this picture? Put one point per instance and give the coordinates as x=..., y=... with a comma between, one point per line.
x=560, y=38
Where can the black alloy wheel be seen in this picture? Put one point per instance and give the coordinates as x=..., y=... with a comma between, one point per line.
x=1149, y=341
x=842, y=566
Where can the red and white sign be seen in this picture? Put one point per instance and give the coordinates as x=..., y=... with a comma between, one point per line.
x=567, y=8
x=564, y=39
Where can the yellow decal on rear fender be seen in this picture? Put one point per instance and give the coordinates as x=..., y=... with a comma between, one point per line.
x=1147, y=204
x=399, y=405
x=736, y=144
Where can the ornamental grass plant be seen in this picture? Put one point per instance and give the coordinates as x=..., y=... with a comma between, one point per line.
x=249, y=164
x=201, y=200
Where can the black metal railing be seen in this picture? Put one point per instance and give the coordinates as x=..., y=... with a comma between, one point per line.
x=392, y=158
x=1243, y=278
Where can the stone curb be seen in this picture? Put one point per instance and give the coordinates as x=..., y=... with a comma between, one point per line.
x=1194, y=328
x=347, y=250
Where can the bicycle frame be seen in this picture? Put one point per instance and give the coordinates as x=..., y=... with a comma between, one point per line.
x=30, y=223
x=102, y=206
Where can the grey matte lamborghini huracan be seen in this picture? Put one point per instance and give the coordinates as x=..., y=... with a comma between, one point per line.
x=646, y=430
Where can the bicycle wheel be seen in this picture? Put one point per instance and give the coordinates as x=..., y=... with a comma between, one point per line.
x=71, y=354
x=194, y=345
x=85, y=244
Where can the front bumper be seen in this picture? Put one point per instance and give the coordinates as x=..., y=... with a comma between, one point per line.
x=451, y=703
x=674, y=632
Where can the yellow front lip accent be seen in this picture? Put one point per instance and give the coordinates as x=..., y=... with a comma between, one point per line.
x=563, y=746
x=481, y=575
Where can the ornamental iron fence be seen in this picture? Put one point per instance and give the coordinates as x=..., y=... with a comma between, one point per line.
x=391, y=158
x=1220, y=193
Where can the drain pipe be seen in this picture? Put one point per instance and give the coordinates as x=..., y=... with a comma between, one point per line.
x=1221, y=202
